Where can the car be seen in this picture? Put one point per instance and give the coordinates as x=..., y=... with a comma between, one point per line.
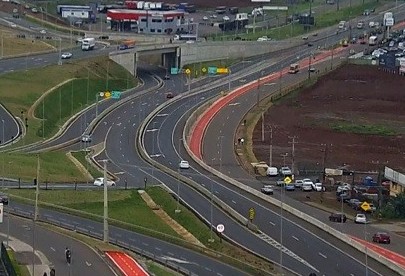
x=360, y=25
x=13, y=25
x=100, y=182
x=360, y=218
x=86, y=138
x=310, y=44
x=184, y=164
x=3, y=199
x=366, y=12
x=285, y=171
x=306, y=187
x=213, y=16
x=354, y=202
x=169, y=95
x=305, y=37
x=298, y=183
x=312, y=69
x=226, y=18
x=290, y=187
x=43, y=31
x=264, y=38
x=338, y=217
x=66, y=55
x=205, y=18
x=190, y=41
x=167, y=77
x=267, y=189
x=280, y=182
x=272, y=171
x=344, y=187
x=343, y=196
x=307, y=181
x=381, y=237
x=318, y=187
x=371, y=24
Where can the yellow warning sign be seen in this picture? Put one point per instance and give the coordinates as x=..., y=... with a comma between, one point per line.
x=287, y=180
x=188, y=71
x=107, y=94
x=204, y=70
x=365, y=206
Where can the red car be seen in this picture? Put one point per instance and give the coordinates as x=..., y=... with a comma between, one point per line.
x=381, y=237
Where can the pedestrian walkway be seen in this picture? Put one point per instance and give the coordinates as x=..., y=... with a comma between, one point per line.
x=37, y=264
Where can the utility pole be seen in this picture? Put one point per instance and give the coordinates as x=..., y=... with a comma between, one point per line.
x=271, y=148
x=105, y=216
x=262, y=126
x=293, y=142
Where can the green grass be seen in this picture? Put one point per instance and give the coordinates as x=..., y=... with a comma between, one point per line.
x=80, y=156
x=363, y=129
x=20, y=270
x=123, y=205
x=159, y=270
x=54, y=167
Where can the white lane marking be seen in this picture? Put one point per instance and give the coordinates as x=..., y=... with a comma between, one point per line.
x=53, y=249
x=320, y=254
x=158, y=249
x=233, y=104
x=272, y=223
x=174, y=259
x=162, y=115
x=88, y=264
x=152, y=130
x=233, y=201
x=295, y=238
x=145, y=244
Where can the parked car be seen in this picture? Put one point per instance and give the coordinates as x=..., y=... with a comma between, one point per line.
x=381, y=237
x=354, y=202
x=343, y=196
x=306, y=187
x=264, y=38
x=184, y=164
x=267, y=189
x=205, y=18
x=360, y=218
x=290, y=187
x=298, y=183
x=318, y=187
x=100, y=182
x=338, y=217
x=272, y=171
x=285, y=171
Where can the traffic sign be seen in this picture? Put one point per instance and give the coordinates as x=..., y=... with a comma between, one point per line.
x=116, y=94
x=212, y=70
x=174, y=70
x=101, y=94
x=287, y=180
x=365, y=206
x=188, y=71
x=252, y=213
x=204, y=70
x=107, y=94
x=220, y=228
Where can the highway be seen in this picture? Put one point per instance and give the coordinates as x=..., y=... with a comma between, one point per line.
x=85, y=261
x=173, y=255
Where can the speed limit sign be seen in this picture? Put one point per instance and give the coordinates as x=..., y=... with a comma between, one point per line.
x=220, y=228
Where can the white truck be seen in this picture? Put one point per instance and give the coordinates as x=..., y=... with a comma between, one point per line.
x=88, y=43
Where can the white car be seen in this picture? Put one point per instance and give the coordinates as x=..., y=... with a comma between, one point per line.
x=298, y=183
x=66, y=55
x=371, y=24
x=318, y=187
x=100, y=182
x=213, y=16
x=307, y=181
x=264, y=38
x=184, y=164
x=86, y=138
x=285, y=171
x=226, y=18
x=306, y=187
x=205, y=18
x=43, y=31
x=360, y=218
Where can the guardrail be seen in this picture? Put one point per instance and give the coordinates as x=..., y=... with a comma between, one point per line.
x=337, y=234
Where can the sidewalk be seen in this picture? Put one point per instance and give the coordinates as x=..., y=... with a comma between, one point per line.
x=37, y=265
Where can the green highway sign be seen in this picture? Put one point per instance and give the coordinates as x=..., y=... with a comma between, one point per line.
x=116, y=95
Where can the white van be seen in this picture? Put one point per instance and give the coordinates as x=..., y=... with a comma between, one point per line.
x=342, y=25
x=272, y=171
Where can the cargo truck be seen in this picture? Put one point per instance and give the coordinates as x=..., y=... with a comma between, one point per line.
x=88, y=44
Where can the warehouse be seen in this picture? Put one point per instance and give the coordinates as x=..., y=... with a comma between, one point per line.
x=145, y=21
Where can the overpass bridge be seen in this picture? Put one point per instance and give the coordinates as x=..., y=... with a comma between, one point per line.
x=181, y=54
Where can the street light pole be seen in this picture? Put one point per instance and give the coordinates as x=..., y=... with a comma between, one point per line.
x=178, y=182
x=220, y=153
x=3, y=141
x=211, y=239
x=271, y=148
x=105, y=215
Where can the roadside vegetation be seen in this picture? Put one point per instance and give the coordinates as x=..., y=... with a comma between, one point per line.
x=127, y=209
x=350, y=127
x=20, y=269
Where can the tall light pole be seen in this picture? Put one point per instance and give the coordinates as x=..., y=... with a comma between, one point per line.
x=4, y=142
x=365, y=245
x=271, y=147
x=284, y=156
x=105, y=215
x=211, y=239
x=178, y=182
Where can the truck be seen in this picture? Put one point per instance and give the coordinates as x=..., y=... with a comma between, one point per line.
x=294, y=68
x=127, y=44
x=88, y=43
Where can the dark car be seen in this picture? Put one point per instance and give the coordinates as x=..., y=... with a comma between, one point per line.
x=381, y=237
x=169, y=95
x=337, y=217
x=3, y=199
x=267, y=189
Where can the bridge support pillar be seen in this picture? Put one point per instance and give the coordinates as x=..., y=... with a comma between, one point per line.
x=136, y=60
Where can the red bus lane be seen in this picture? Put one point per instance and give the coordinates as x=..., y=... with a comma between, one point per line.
x=126, y=264
x=392, y=256
x=202, y=123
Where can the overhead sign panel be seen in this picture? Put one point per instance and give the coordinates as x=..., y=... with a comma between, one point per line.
x=260, y=1
x=275, y=8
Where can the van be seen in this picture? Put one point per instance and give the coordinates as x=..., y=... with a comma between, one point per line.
x=342, y=25
x=272, y=171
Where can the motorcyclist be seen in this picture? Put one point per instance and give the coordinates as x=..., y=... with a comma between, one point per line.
x=68, y=255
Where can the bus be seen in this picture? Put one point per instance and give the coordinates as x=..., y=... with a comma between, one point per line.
x=372, y=40
x=294, y=68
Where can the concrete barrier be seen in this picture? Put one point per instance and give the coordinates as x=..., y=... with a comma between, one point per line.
x=190, y=123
